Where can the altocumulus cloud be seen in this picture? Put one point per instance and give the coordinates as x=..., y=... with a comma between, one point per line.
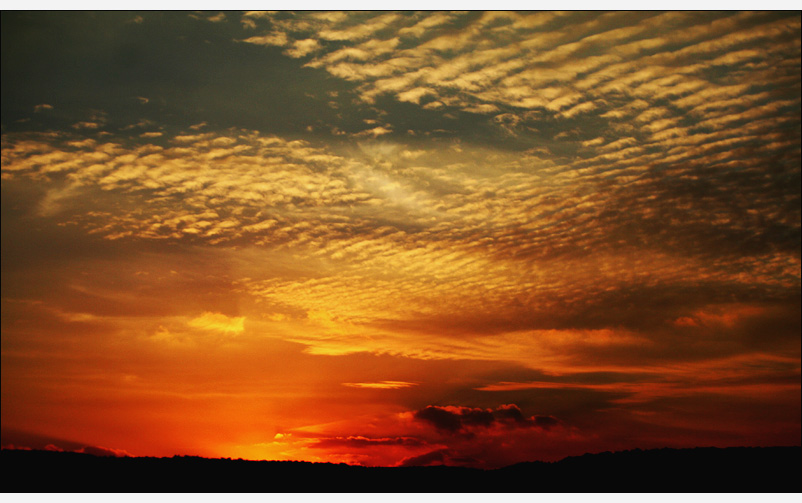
x=546, y=251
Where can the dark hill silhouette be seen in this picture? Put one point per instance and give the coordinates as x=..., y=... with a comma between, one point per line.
x=735, y=469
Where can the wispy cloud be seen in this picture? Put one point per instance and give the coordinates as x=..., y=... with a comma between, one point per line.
x=380, y=384
x=218, y=322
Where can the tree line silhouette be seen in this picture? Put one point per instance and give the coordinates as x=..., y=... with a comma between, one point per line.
x=734, y=469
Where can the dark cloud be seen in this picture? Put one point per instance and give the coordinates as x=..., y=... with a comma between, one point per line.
x=104, y=451
x=433, y=458
x=18, y=439
x=651, y=316
x=572, y=405
x=510, y=412
x=18, y=447
x=441, y=419
x=546, y=422
x=466, y=419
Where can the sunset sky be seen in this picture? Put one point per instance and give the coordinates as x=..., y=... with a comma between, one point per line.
x=400, y=238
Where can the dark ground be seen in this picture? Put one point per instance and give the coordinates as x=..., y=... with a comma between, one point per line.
x=737, y=469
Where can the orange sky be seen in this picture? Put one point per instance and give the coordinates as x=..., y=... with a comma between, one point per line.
x=400, y=238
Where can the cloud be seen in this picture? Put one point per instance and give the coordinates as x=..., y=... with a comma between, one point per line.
x=359, y=30
x=374, y=132
x=458, y=419
x=104, y=451
x=592, y=66
x=301, y=48
x=218, y=322
x=42, y=107
x=17, y=447
x=432, y=458
x=279, y=39
x=642, y=242
x=220, y=17
x=86, y=125
x=361, y=442
x=30, y=441
x=381, y=384
x=440, y=418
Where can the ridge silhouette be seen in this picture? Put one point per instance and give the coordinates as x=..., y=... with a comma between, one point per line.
x=708, y=469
